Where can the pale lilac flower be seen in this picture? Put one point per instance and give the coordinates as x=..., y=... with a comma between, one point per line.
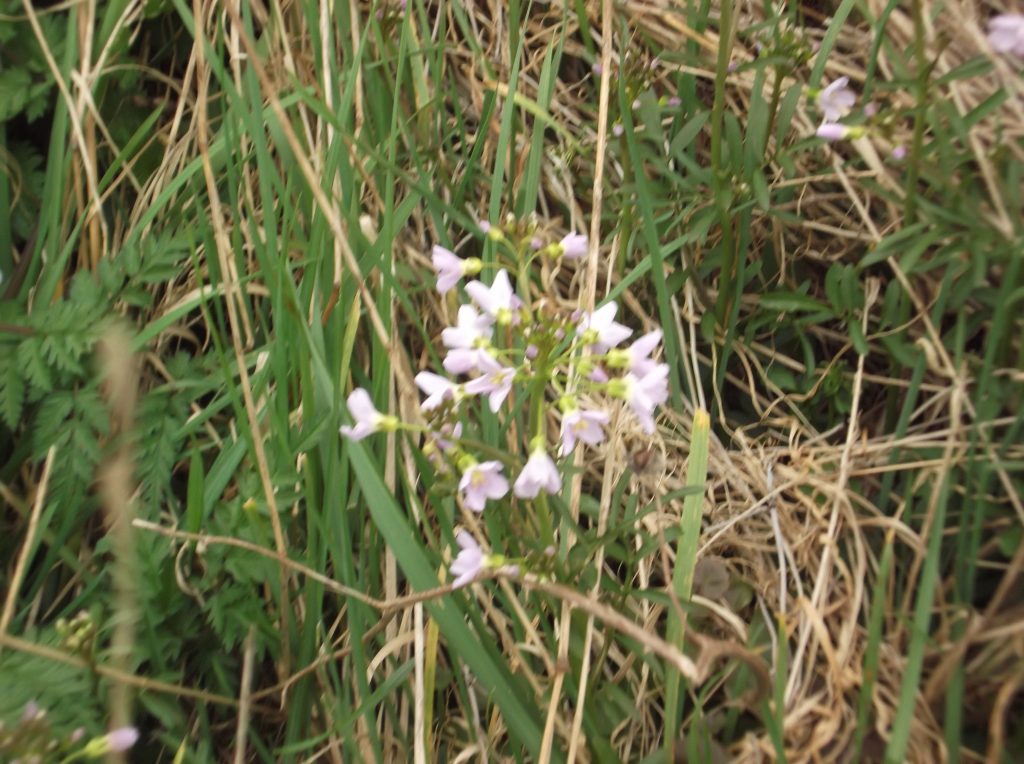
x=481, y=482
x=646, y=393
x=469, y=562
x=540, y=472
x=597, y=69
x=1006, y=33
x=598, y=375
x=833, y=131
x=467, y=340
x=496, y=381
x=438, y=389
x=674, y=102
x=574, y=246
x=870, y=108
x=485, y=227
x=586, y=426
x=498, y=300
x=618, y=129
x=600, y=330
x=115, y=741
x=450, y=267
x=122, y=739
x=899, y=153
x=368, y=419
x=536, y=243
x=836, y=100
x=637, y=357
x=531, y=351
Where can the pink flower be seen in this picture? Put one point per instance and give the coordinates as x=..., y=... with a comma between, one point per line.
x=836, y=100
x=368, y=419
x=899, y=153
x=496, y=381
x=599, y=329
x=586, y=426
x=467, y=340
x=646, y=393
x=469, y=562
x=574, y=246
x=438, y=389
x=540, y=472
x=440, y=437
x=450, y=267
x=1006, y=33
x=498, y=300
x=481, y=482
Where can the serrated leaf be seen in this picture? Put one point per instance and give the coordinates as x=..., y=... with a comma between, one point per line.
x=15, y=87
x=12, y=392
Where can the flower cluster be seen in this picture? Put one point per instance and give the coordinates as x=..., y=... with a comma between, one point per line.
x=506, y=350
x=32, y=738
x=1006, y=33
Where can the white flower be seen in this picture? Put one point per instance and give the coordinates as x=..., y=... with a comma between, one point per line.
x=368, y=419
x=496, y=381
x=481, y=482
x=470, y=561
x=438, y=389
x=467, y=340
x=586, y=426
x=637, y=357
x=836, y=100
x=600, y=330
x=646, y=393
x=1006, y=33
x=498, y=301
x=540, y=472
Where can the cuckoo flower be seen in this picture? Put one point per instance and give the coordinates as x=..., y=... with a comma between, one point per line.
x=438, y=389
x=836, y=99
x=643, y=393
x=481, y=482
x=540, y=472
x=573, y=246
x=496, y=381
x=368, y=419
x=497, y=301
x=637, y=357
x=1006, y=33
x=469, y=562
x=586, y=426
x=466, y=341
x=450, y=267
x=600, y=330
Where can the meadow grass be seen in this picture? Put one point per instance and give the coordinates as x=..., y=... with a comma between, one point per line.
x=220, y=224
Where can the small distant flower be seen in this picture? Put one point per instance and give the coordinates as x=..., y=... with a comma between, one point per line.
x=470, y=561
x=836, y=100
x=496, y=381
x=597, y=69
x=450, y=267
x=674, y=102
x=485, y=227
x=536, y=243
x=531, y=351
x=540, y=472
x=871, y=108
x=1006, y=33
x=600, y=330
x=368, y=419
x=586, y=426
x=618, y=129
x=644, y=394
x=574, y=246
x=899, y=153
x=498, y=300
x=637, y=357
x=598, y=375
x=467, y=340
x=438, y=389
x=481, y=482
x=732, y=67
x=636, y=104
